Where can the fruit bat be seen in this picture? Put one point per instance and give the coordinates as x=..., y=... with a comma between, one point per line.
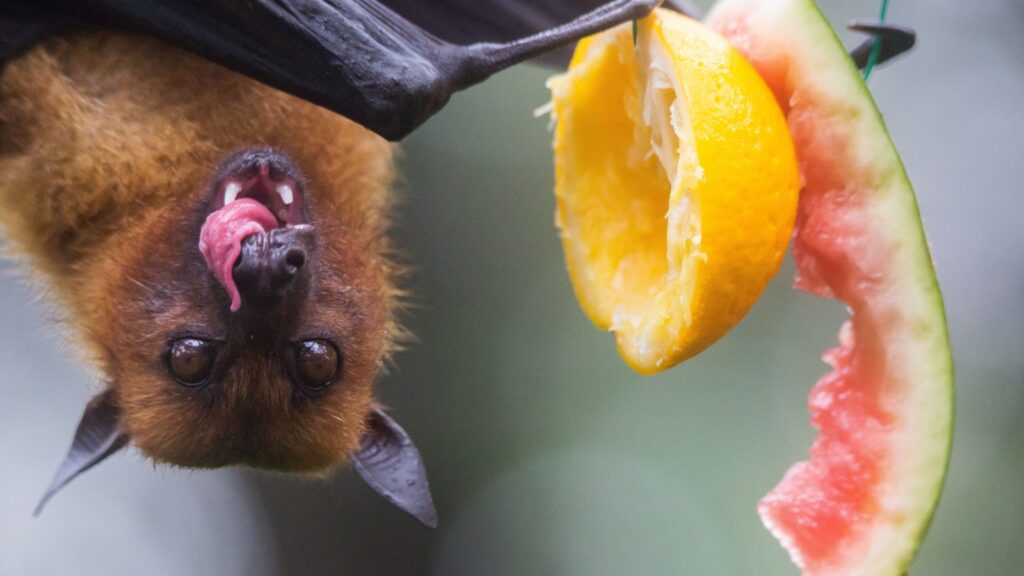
x=205, y=189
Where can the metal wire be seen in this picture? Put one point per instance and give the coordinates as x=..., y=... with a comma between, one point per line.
x=876, y=48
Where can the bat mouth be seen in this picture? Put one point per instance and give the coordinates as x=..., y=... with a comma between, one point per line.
x=267, y=177
x=255, y=192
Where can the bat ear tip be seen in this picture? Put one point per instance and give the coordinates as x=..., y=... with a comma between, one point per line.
x=427, y=513
x=430, y=522
x=39, y=507
x=44, y=500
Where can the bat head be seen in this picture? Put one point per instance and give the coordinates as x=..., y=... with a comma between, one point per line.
x=251, y=330
x=224, y=255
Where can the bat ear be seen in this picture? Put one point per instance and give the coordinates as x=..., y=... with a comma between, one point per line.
x=390, y=465
x=98, y=435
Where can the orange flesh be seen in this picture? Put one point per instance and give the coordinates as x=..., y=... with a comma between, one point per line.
x=676, y=183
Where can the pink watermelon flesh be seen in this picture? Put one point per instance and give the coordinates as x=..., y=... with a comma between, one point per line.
x=862, y=502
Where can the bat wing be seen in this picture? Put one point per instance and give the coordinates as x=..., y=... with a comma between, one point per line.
x=24, y=24
x=387, y=64
x=472, y=21
x=365, y=59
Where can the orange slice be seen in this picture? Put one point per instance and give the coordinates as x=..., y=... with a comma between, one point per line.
x=676, y=184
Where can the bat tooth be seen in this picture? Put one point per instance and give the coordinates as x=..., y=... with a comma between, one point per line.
x=231, y=192
x=285, y=191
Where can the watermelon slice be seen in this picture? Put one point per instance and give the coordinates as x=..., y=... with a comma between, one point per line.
x=862, y=503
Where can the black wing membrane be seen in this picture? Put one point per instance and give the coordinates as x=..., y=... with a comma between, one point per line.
x=22, y=24
x=472, y=21
x=360, y=58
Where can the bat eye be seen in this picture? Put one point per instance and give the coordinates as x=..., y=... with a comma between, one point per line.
x=316, y=363
x=191, y=360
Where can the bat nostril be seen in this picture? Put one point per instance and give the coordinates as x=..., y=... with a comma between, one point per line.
x=295, y=259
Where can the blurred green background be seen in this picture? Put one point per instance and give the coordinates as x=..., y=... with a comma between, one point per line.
x=547, y=455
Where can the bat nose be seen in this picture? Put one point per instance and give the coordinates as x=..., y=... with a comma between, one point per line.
x=286, y=261
x=274, y=264
x=292, y=261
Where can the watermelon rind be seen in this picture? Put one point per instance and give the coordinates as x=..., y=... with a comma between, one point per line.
x=918, y=361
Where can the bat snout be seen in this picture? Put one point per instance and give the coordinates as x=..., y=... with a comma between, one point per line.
x=257, y=239
x=275, y=264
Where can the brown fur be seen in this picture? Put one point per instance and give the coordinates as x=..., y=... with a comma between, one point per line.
x=107, y=146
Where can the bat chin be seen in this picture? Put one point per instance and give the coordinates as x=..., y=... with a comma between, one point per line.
x=313, y=465
x=257, y=238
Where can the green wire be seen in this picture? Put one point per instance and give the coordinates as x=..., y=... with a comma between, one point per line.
x=876, y=48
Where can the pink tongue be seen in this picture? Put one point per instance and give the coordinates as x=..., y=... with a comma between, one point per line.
x=220, y=240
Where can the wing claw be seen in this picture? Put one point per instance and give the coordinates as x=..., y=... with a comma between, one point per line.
x=895, y=40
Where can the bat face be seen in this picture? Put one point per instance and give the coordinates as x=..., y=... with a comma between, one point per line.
x=264, y=356
x=284, y=380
